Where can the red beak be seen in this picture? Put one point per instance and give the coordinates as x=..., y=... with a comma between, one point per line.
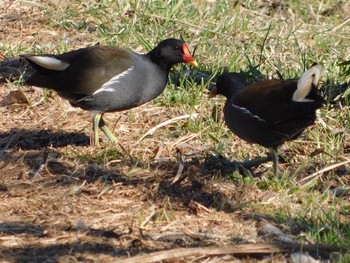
x=187, y=56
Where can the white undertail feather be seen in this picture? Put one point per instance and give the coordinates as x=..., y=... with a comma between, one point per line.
x=50, y=63
x=109, y=86
x=312, y=76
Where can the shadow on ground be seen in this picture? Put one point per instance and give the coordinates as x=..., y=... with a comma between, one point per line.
x=38, y=139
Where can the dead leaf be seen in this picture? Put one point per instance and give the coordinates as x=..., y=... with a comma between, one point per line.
x=14, y=97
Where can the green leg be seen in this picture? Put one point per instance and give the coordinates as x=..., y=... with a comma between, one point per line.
x=109, y=134
x=96, y=124
x=274, y=155
x=100, y=123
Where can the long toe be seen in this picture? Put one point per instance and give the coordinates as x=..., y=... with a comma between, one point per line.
x=106, y=131
x=256, y=162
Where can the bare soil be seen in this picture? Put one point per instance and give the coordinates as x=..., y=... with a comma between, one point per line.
x=62, y=202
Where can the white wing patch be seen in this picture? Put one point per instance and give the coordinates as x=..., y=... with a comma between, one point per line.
x=49, y=62
x=109, y=86
x=246, y=111
x=312, y=76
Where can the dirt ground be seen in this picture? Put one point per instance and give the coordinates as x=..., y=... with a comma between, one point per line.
x=66, y=201
x=58, y=203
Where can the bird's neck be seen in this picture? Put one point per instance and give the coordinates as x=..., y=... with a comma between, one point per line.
x=154, y=58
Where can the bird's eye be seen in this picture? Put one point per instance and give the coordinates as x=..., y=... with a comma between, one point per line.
x=176, y=48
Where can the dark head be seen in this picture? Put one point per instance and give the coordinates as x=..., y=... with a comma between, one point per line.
x=228, y=85
x=172, y=51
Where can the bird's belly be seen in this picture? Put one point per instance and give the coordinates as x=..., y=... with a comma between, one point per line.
x=123, y=98
x=254, y=131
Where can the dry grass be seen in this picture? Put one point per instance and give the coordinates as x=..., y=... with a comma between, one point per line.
x=65, y=201
x=94, y=207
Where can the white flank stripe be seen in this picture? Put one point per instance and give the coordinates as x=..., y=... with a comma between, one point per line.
x=109, y=86
x=49, y=62
x=246, y=111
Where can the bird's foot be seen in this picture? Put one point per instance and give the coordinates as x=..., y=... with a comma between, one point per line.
x=241, y=166
x=255, y=162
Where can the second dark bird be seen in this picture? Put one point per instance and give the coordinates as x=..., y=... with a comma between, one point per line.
x=270, y=112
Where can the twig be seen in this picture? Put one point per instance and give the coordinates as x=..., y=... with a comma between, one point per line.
x=180, y=169
x=149, y=217
x=242, y=249
x=341, y=25
x=42, y=164
x=322, y=171
x=184, y=139
x=203, y=251
x=152, y=130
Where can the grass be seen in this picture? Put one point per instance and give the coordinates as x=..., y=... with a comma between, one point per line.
x=259, y=38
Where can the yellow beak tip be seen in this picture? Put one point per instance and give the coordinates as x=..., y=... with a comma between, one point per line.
x=193, y=63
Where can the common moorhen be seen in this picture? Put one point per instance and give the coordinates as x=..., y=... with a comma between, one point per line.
x=106, y=79
x=270, y=112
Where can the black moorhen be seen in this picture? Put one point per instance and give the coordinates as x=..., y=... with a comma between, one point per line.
x=271, y=112
x=106, y=79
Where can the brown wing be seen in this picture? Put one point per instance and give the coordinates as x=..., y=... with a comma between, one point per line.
x=271, y=100
x=264, y=113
